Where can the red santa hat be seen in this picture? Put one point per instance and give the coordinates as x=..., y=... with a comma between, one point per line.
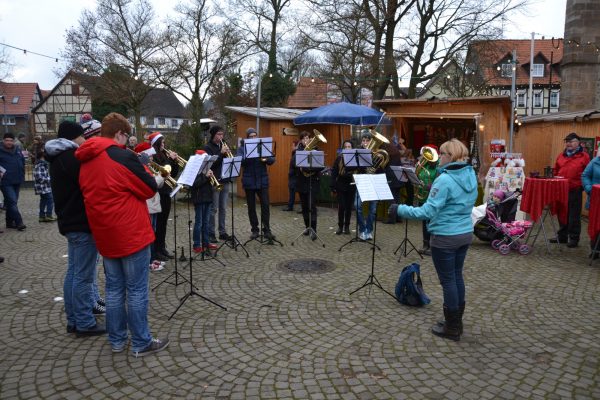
x=154, y=136
x=434, y=151
x=141, y=147
x=200, y=152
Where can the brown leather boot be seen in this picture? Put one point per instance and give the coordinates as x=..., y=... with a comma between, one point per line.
x=461, y=311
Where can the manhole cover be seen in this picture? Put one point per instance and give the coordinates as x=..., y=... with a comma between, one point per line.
x=306, y=265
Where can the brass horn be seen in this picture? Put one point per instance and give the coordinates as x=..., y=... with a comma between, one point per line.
x=381, y=158
x=315, y=141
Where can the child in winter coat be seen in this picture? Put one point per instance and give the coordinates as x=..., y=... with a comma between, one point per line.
x=42, y=187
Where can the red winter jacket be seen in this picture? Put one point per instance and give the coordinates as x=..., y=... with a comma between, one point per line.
x=571, y=167
x=115, y=187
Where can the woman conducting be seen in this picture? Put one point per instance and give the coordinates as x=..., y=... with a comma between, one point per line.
x=448, y=209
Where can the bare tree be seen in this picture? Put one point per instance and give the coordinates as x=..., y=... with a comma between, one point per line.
x=445, y=28
x=200, y=48
x=6, y=64
x=118, y=42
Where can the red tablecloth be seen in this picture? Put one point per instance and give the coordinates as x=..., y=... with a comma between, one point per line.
x=594, y=224
x=539, y=193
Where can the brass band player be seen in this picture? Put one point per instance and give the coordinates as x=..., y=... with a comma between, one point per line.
x=163, y=158
x=341, y=184
x=216, y=147
x=365, y=228
x=255, y=180
x=307, y=185
x=426, y=171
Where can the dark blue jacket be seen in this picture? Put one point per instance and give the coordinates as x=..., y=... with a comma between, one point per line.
x=254, y=173
x=13, y=161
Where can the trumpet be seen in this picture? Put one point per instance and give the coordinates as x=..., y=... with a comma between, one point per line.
x=215, y=183
x=228, y=154
x=180, y=160
x=165, y=172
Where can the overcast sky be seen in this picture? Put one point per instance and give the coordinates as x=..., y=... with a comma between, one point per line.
x=40, y=25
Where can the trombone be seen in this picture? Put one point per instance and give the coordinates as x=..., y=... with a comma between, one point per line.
x=182, y=163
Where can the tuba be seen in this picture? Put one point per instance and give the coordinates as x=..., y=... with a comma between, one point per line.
x=314, y=142
x=428, y=154
x=381, y=158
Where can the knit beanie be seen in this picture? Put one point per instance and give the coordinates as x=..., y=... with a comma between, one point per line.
x=214, y=130
x=69, y=130
x=91, y=128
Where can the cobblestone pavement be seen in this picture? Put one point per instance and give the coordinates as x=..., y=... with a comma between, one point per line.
x=531, y=324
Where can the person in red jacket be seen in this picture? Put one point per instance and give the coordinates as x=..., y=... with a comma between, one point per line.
x=570, y=164
x=115, y=187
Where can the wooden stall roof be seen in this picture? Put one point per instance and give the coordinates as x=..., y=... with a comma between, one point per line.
x=272, y=113
x=575, y=116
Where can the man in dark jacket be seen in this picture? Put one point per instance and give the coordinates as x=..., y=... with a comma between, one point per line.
x=12, y=160
x=115, y=188
x=255, y=180
x=216, y=147
x=73, y=224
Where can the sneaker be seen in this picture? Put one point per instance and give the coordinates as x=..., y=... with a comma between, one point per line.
x=96, y=330
x=198, y=249
x=306, y=232
x=212, y=246
x=50, y=218
x=42, y=219
x=156, y=266
x=269, y=236
x=155, y=346
x=224, y=236
x=101, y=301
x=21, y=227
x=119, y=349
x=98, y=309
x=313, y=236
x=369, y=235
x=363, y=236
x=253, y=235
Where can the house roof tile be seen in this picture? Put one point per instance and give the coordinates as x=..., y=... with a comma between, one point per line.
x=163, y=103
x=19, y=97
x=310, y=93
x=489, y=54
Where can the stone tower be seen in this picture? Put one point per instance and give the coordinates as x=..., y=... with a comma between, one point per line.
x=580, y=66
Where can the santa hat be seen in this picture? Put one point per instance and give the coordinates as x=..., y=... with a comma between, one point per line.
x=434, y=151
x=141, y=147
x=200, y=152
x=154, y=136
x=91, y=128
x=85, y=118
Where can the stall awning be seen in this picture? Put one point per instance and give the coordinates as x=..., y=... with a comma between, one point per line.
x=434, y=115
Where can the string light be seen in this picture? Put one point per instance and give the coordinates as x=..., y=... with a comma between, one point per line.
x=25, y=52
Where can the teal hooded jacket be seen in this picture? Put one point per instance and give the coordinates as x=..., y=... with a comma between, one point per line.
x=450, y=202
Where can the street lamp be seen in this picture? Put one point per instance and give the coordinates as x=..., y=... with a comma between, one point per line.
x=4, y=114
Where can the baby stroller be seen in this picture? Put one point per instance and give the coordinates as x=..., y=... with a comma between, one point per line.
x=513, y=233
x=505, y=211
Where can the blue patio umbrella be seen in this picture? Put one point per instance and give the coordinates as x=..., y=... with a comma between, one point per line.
x=342, y=114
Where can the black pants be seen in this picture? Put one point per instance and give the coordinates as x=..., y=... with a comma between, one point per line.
x=161, y=222
x=309, y=204
x=345, y=204
x=263, y=195
x=572, y=229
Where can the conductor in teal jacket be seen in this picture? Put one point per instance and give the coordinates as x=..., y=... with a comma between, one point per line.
x=448, y=209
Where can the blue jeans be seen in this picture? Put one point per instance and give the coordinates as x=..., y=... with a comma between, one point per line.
x=77, y=286
x=219, y=204
x=201, y=230
x=46, y=204
x=153, y=221
x=368, y=227
x=449, y=267
x=95, y=291
x=127, y=281
x=11, y=197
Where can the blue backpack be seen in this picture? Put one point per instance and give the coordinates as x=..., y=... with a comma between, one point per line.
x=409, y=289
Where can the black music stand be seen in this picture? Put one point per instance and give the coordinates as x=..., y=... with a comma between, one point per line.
x=230, y=170
x=193, y=292
x=406, y=174
x=357, y=159
x=373, y=188
x=175, y=273
x=313, y=161
x=260, y=148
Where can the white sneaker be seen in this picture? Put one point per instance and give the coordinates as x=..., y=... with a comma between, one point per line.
x=362, y=236
x=369, y=235
x=157, y=266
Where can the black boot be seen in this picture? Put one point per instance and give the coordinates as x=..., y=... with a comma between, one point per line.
x=426, y=250
x=461, y=311
x=347, y=229
x=450, y=329
x=340, y=230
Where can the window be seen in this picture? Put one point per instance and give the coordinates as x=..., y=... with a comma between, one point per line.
x=537, y=98
x=505, y=92
x=9, y=121
x=174, y=123
x=15, y=100
x=161, y=121
x=554, y=95
x=506, y=70
x=537, y=71
x=70, y=118
x=521, y=99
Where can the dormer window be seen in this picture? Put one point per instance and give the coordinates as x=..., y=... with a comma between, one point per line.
x=15, y=100
x=537, y=71
x=506, y=70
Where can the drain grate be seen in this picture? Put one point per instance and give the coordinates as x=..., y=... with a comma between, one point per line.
x=306, y=265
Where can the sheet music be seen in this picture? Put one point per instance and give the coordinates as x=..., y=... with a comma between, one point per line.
x=357, y=157
x=231, y=167
x=150, y=151
x=406, y=174
x=310, y=159
x=373, y=187
x=191, y=170
x=175, y=190
x=258, y=147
